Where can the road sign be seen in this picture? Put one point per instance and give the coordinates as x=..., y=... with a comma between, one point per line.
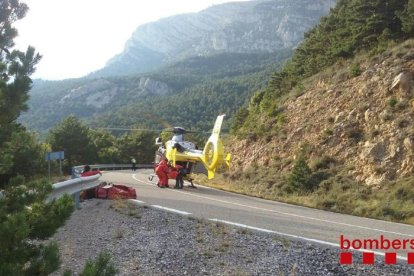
x=55, y=155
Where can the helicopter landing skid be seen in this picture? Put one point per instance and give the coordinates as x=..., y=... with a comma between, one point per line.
x=151, y=177
x=191, y=184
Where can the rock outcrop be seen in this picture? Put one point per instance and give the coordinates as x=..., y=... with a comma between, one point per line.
x=365, y=122
x=101, y=92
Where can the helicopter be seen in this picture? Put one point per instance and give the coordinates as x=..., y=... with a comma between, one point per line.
x=185, y=153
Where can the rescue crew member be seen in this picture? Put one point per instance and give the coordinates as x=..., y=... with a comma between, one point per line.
x=177, y=173
x=134, y=164
x=162, y=172
x=87, y=171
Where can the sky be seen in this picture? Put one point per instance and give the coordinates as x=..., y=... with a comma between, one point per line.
x=76, y=37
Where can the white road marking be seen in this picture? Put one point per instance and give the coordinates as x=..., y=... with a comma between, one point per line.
x=298, y=237
x=284, y=213
x=171, y=210
x=137, y=201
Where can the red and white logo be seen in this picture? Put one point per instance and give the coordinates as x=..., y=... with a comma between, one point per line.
x=368, y=246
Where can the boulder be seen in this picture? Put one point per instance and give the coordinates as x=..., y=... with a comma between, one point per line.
x=374, y=152
x=404, y=82
x=374, y=180
x=409, y=144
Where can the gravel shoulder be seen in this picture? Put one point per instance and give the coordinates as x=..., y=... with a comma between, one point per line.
x=146, y=241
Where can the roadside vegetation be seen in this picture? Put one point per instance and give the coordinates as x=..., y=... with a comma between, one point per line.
x=327, y=186
x=27, y=218
x=351, y=27
x=353, y=30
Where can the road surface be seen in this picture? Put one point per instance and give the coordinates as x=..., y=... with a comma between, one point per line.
x=263, y=215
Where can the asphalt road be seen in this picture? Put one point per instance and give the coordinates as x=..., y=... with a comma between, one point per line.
x=263, y=215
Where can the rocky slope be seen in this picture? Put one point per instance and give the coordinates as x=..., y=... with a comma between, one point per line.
x=238, y=27
x=361, y=116
x=145, y=241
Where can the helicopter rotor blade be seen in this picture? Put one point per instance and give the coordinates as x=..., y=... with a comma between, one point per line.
x=130, y=129
x=173, y=130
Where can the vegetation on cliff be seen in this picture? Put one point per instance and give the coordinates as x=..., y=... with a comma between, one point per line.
x=350, y=28
x=332, y=130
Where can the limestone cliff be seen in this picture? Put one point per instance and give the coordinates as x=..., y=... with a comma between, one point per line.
x=239, y=27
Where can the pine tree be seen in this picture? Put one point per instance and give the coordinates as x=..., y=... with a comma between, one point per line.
x=15, y=69
x=407, y=18
x=73, y=137
x=25, y=216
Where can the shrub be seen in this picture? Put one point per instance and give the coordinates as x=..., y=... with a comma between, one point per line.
x=392, y=102
x=355, y=70
x=354, y=133
x=102, y=266
x=300, y=177
x=328, y=132
x=324, y=162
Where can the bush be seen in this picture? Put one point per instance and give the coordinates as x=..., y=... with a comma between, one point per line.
x=392, y=102
x=355, y=70
x=300, y=177
x=324, y=162
x=102, y=266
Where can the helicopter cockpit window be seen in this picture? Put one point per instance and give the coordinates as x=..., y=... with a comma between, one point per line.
x=177, y=138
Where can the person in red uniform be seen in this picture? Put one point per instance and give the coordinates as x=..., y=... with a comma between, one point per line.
x=87, y=171
x=162, y=172
x=177, y=173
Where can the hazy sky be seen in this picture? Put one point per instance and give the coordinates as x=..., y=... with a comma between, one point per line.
x=77, y=37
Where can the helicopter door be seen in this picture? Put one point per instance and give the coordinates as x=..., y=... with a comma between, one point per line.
x=158, y=157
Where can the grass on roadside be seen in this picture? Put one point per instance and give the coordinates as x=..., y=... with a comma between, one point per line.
x=334, y=191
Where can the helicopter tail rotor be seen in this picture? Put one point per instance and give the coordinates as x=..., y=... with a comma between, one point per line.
x=213, y=154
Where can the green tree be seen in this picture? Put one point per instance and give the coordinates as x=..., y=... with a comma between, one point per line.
x=105, y=144
x=20, y=226
x=407, y=18
x=73, y=137
x=28, y=154
x=25, y=216
x=15, y=69
x=137, y=144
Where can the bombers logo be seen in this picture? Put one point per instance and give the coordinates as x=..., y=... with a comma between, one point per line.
x=390, y=246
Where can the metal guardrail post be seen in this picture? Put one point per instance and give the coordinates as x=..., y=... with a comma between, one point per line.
x=76, y=198
x=73, y=173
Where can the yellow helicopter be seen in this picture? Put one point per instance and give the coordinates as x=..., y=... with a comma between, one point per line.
x=186, y=153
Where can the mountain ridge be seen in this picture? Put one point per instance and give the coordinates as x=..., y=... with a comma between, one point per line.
x=240, y=27
x=90, y=98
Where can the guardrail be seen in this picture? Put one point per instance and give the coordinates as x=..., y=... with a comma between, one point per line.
x=78, y=184
x=74, y=187
x=77, y=170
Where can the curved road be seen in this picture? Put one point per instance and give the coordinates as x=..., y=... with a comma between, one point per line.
x=274, y=217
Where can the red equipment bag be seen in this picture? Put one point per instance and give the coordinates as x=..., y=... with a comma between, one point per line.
x=115, y=191
x=121, y=192
x=102, y=191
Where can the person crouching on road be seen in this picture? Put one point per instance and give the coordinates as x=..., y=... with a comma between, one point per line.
x=87, y=171
x=177, y=173
x=162, y=172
